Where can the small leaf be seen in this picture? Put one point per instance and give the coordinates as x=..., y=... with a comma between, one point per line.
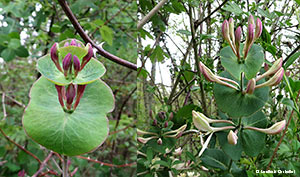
x=22, y=52
x=233, y=7
x=186, y=32
x=8, y=54
x=107, y=34
x=14, y=43
x=215, y=158
x=288, y=102
x=292, y=59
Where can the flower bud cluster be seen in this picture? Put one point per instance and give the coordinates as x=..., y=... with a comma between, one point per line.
x=70, y=62
x=234, y=37
x=67, y=94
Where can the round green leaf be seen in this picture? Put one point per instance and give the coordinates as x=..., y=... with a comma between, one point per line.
x=250, y=67
x=215, y=158
x=253, y=142
x=235, y=103
x=8, y=54
x=91, y=72
x=70, y=134
x=233, y=151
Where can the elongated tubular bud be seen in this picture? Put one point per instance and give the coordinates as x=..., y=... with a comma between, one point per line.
x=73, y=42
x=54, y=56
x=249, y=41
x=88, y=56
x=67, y=62
x=275, y=67
x=145, y=140
x=225, y=31
x=76, y=64
x=209, y=76
x=199, y=114
x=70, y=95
x=251, y=86
x=274, y=129
x=227, y=80
x=258, y=28
x=141, y=132
x=80, y=91
x=232, y=138
x=237, y=35
x=251, y=20
x=159, y=141
x=231, y=30
x=201, y=123
x=274, y=80
x=60, y=92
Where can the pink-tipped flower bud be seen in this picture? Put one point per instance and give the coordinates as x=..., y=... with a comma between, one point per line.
x=274, y=80
x=159, y=141
x=21, y=173
x=231, y=30
x=162, y=115
x=154, y=122
x=274, y=129
x=166, y=124
x=177, y=152
x=275, y=67
x=70, y=95
x=237, y=35
x=251, y=86
x=150, y=114
x=61, y=92
x=67, y=63
x=266, y=67
x=225, y=31
x=88, y=56
x=250, y=33
x=76, y=64
x=54, y=56
x=66, y=44
x=232, y=138
x=258, y=28
x=251, y=20
x=80, y=91
x=73, y=42
x=145, y=140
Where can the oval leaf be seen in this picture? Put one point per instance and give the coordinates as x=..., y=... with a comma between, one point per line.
x=235, y=103
x=70, y=134
x=252, y=65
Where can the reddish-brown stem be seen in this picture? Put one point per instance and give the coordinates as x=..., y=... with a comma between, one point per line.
x=107, y=164
x=19, y=146
x=87, y=39
x=43, y=164
x=281, y=138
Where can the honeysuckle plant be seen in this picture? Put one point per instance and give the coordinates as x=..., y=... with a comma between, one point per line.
x=69, y=102
x=241, y=91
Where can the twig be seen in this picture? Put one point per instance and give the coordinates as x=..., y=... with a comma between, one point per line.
x=281, y=138
x=15, y=101
x=117, y=131
x=19, y=146
x=3, y=106
x=150, y=14
x=65, y=166
x=180, y=92
x=87, y=39
x=49, y=172
x=123, y=105
x=107, y=164
x=43, y=164
x=198, y=22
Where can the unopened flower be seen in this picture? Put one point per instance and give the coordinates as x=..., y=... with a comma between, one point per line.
x=76, y=64
x=251, y=20
x=145, y=140
x=249, y=40
x=202, y=123
x=67, y=63
x=73, y=42
x=274, y=129
x=166, y=124
x=232, y=138
x=154, y=122
x=274, y=80
x=80, y=91
x=88, y=56
x=258, y=28
x=237, y=35
x=54, y=56
x=177, y=132
x=70, y=95
x=61, y=92
x=141, y=133
x=225, y=31
x=209, y=76
x=275, y=67
x=171, y=115
x=231, y=30
x=251, y=86
x=177, y=152
x=159, y=141
x=66, y=44
x=199, y=114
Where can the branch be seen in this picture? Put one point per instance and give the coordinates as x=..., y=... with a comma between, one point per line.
x=150, y=14
x=19, y=146
x=43, y=164
x=198, y=22
x=107, y=164
x=87, y=39
x=3, y=106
